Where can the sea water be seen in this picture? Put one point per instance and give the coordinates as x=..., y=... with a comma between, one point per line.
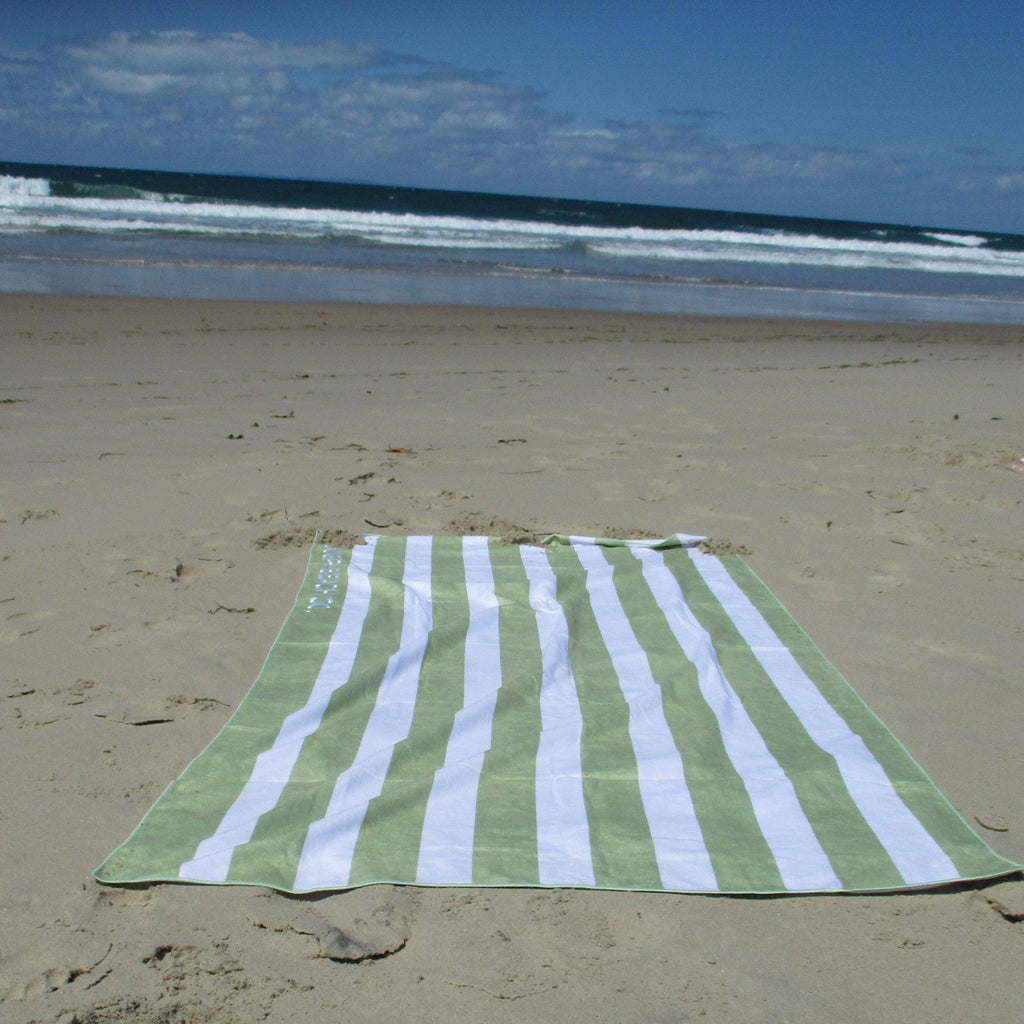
x=75, y=230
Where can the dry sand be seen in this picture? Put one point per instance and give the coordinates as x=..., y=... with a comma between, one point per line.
x=164, y=466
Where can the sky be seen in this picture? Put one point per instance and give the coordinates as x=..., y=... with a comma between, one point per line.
x=895, y=111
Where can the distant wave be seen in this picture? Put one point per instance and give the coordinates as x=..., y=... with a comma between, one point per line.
x=950, y=239
x=35, y=205
x=39, y=205
x=810, y=250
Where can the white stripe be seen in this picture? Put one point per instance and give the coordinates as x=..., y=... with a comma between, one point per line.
x=446, y=843
x=563, y=834
x=273, y=767
x=916, y=855
x=802, y=862
x=326, y=859
x=679, y=848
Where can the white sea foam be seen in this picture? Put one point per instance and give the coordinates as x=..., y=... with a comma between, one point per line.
x=14, y=189
x=26, y=206
x=809, y=250
x=942, y=236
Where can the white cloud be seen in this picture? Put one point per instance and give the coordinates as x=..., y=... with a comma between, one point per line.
x=185, y=52
x=337, y=109
x=1010, y=182
x=130, y=83
x=683, y=152
x=999, y=180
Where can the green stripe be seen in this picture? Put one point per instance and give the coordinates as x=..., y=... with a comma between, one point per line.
x=272, y=855
x=505, y=841
x=389, y=841
x=192, y=807
x=740, y=855
x=620, y=837
x=971, y=856
x=855, y=852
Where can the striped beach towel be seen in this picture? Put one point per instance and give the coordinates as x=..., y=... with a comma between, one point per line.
x=620, y=715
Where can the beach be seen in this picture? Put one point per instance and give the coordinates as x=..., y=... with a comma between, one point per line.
x=166, y=466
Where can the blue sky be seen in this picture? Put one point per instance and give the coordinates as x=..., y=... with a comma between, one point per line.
x=895, y=111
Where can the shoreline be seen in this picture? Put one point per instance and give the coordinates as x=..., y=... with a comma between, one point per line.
x=149, y=275
x=166, y=465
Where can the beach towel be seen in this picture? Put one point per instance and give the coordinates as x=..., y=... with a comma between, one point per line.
x=633, y=715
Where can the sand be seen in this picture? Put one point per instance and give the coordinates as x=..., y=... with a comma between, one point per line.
x=164, y=468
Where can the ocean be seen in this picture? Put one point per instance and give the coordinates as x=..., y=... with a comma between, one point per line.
x=109, y=231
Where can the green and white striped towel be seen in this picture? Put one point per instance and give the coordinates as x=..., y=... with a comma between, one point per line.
x=620, y=715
